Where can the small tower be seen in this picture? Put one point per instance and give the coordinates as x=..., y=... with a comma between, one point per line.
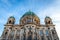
x=48, y=20
x=11, y=20
x=52, y=31
x=8, y=28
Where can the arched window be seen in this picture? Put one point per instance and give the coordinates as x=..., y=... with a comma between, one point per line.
x=29, y=20
x=17, y=38
x=35, y=37
x=42, y=37
x=5, y=33
x=48, y=38
x=29, y=35
x=48, y=22
x=9, y=21
x=41, y=32
x=12, y=35
x=53, y=31
x=47, y=33
x=18, y=32
x=17, y=35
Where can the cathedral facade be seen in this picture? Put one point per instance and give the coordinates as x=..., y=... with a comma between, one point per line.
x=29, y=28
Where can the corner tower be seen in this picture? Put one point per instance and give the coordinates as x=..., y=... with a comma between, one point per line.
x=11, y=20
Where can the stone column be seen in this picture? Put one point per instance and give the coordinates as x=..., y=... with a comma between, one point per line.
x=51, y=35
x=26, y=35
x=44, y=35
x=37, y=34
x=14, y=35
x=32, y=35
x=9, y=34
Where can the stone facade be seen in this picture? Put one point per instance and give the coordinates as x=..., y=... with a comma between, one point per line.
x=29, y=28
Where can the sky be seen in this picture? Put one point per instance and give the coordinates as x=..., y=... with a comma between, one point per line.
x=41, y=8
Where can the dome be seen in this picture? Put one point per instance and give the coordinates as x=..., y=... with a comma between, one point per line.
x=30, y=16
x=47, y=17
x=29, y=13
x=12, y=17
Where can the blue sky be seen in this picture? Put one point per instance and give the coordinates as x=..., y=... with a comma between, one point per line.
x=41, y=8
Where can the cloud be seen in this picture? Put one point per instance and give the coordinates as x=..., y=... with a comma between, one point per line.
x=54, y=12
x=41, y=7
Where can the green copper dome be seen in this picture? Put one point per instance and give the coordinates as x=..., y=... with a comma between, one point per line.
x=29, y=13
x=11, y=17
x=47, y=17
x=29, y=17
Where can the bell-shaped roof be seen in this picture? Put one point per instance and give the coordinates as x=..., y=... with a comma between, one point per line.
x=29, y=13
x=12, y=17
x=47, y=17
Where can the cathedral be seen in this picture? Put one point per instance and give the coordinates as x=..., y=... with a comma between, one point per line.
x=29, y=28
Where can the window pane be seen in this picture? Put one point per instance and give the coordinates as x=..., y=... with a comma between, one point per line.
x=41, y=32
x=47, y=32
x=29, y=20
x=18, y=32
x=12, y=33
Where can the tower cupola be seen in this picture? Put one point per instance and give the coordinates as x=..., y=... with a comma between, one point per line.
x=11, y=20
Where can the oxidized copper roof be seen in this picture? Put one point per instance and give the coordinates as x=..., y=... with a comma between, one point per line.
x=29, y=13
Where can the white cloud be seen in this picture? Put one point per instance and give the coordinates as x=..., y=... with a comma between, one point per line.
x=54, y=12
